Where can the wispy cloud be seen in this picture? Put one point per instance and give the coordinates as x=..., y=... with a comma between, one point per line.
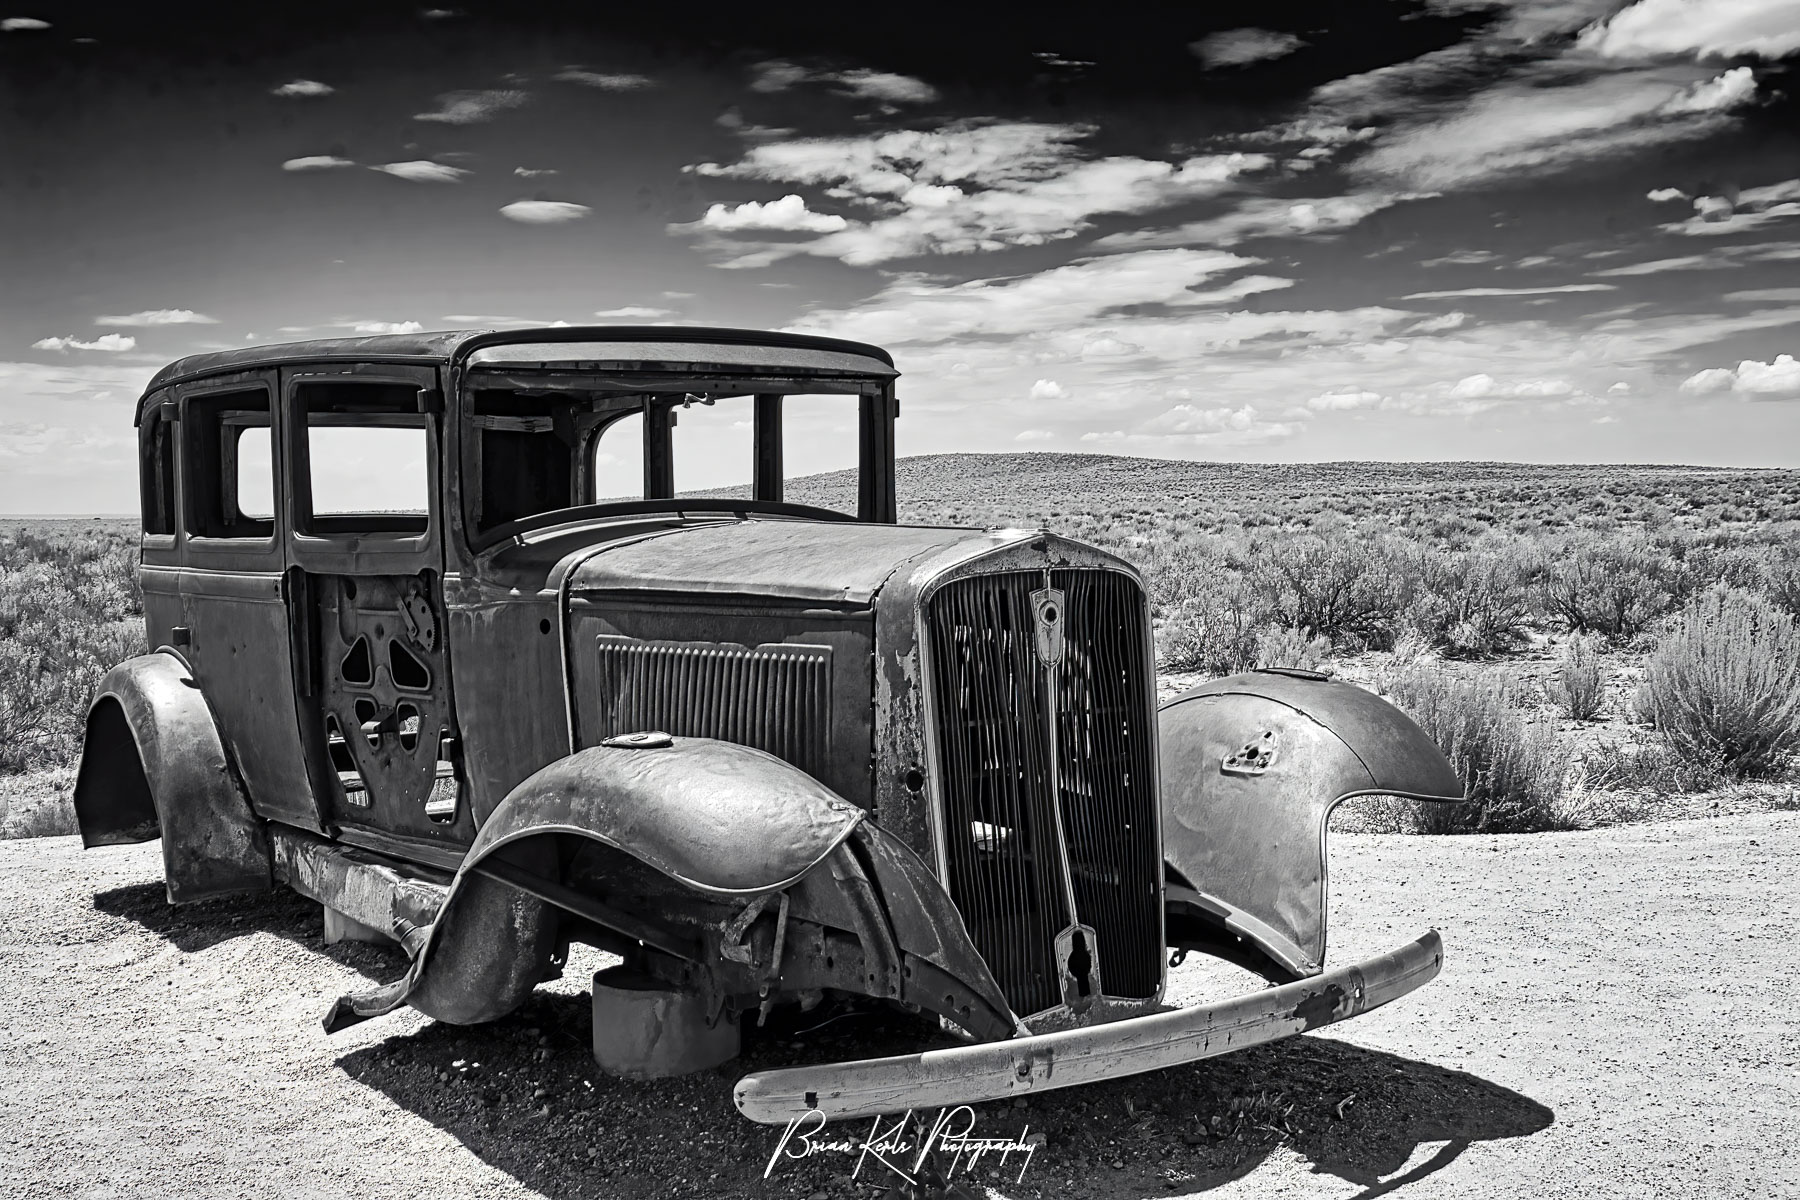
x=886, y=87
x=544, y=212
x=633, y=312
x=968, y=186
x=473, y=107
x=318, y=162
x=606, y=81
x=302, y=89
x=1240, y=47
x=1738, y=211
x=1718, y=258
x=535, y=172
x=111, y=343
x=158, y=316
x=1267, y=216
x=1457, y=293
x=1761, y=380
x=1722, y=28
x=423, y=171
x=22, y=24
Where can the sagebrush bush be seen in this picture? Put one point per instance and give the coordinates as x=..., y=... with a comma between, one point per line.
x=1471, y=603
x=1724, y=683
x=1513, y=770
x=1614, y=586
x=1340, y=586
x=1578, y=681
x=69, y=611
x=1291, y=648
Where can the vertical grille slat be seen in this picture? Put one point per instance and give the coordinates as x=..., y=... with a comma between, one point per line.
x=776, y=698
x=991, y=697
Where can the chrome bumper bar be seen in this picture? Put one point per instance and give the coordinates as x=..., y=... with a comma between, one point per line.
x=1070, y=1057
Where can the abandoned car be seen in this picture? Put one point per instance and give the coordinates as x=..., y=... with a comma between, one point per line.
x=767, y=753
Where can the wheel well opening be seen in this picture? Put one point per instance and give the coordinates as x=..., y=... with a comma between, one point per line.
x=112, y=794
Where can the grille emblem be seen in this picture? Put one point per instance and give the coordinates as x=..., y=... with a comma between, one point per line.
x=1047, y=621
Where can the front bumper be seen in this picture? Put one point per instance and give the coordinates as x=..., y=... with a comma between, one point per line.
x=1070, y=1057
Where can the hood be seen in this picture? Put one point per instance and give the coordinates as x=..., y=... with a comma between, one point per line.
x=825, y=562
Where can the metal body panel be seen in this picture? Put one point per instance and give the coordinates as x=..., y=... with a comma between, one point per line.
x=153, y=765
x=1252, y=766
x=1072, y=1057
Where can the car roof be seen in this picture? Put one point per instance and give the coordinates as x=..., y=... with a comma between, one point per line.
x=455, y=344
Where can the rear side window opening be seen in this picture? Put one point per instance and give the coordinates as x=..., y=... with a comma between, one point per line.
x=230, y=473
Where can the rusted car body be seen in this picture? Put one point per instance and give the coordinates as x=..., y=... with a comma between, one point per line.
x=767, y=753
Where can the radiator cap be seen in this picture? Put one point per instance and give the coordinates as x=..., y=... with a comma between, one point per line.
x=648, y=739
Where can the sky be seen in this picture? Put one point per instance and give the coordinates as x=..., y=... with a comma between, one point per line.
x=1565, y=231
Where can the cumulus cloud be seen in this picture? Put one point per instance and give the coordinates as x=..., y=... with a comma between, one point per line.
x=968, y=186
x=615, y=81
x=1718, y=28
x=1458, y=293
x=788, y=214
x=1343, y=401
x=1664, y=195
x=1047, y=389
x=303, y=88
x=388, y=327
x=885, y=87
x=22, y=24
x=633, y=312
x=1267, y=216
x=1033, y=435
x=112, y=343
x=473, y=107
x=422, y=171
x=1240, y=47
x=157, y=316
x=1474, y=387
x=544, y=212
x=1750, y=378
x=317, y=162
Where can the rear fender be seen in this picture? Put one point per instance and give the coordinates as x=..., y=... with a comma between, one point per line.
x=153, y=765
x=1252, y=766
x=699, y=849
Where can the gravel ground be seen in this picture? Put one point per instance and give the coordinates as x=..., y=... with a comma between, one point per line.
x=1612, y=1021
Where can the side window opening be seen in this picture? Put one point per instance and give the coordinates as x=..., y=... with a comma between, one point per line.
x=156, y=473
x=230, y=477
x=367, y=458
x=819, y=446
x=616, y=467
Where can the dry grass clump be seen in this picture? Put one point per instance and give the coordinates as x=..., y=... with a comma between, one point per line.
x=1724, y=684
x=37, y=805
x=1577, y=685
x=1514, y=769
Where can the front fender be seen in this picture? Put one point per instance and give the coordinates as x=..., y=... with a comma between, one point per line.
x=153, y=765
x=724, y=824
x=1252, y=766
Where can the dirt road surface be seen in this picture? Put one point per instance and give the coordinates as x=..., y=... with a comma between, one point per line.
x=1616, y=1018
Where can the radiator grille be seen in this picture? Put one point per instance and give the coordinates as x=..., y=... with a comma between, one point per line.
x=993, y=710
x=774, y=697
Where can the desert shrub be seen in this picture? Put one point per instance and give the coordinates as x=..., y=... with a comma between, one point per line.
x=1614, y=586
x=1291, y=648
x=1214, y=629
x=1513, y=769
x=1641, y=709
x=37, y=805
x=1470, y=604
x=1637, y=764
x=1724, y=683
x=69, y=610
x=1340, y=586
x=1781, y=581
x=1578, y=681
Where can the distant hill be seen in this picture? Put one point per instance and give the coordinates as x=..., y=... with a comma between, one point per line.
x=1058, y=490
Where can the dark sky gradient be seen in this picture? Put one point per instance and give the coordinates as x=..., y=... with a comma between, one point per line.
x=1441, y=146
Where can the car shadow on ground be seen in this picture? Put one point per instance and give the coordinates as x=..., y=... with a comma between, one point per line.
x=284, y=913
x=523, y=1094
